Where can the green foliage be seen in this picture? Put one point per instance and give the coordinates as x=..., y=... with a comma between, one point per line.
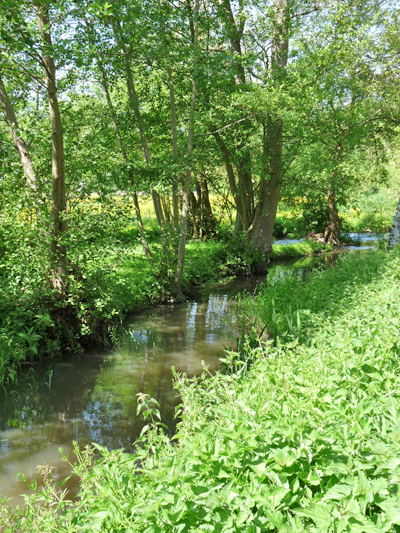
x=280, y=251
x=376, y=208
x=307, y=441
x=326, y=294
x=239, y=360
x=302, y=216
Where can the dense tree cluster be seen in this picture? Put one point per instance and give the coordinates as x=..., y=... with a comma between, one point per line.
x=242, y=98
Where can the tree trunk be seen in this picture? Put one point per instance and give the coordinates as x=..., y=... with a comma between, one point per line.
x=257, y=218
x=136, y=110
x=194, y=209
x=175, y=199
x=394, y=237
x=226, y=155
x=166, y=208
x=186, y=190
x=245, y=187
x=332, y=232
x=19, y=143
x=59, y=204
x=175, y=180
x=269, y=190
x=139, y=220
x=207, y=220
x=270, y=184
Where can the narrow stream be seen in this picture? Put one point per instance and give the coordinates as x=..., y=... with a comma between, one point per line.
x=92, y=398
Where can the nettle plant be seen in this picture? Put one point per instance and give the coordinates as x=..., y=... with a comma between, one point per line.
x=307, y=441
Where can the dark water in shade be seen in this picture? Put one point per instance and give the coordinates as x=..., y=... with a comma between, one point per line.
x=92, y=398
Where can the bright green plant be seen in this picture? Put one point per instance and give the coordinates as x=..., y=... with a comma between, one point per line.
x=307, y=441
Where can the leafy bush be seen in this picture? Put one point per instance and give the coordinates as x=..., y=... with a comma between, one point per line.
x=307, y=441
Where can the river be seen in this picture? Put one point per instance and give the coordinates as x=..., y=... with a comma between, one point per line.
x=92, y=397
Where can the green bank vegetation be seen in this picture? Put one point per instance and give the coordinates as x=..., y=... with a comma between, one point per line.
x=306, y=438
x=179, y=121
x=148, y=147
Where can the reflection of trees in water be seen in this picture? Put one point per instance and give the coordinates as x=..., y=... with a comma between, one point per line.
x=34, y=399
x=94, y=400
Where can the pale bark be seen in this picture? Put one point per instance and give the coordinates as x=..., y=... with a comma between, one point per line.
x=19, y=142
x=139, y=220
x=186, y=190
x=58, y=205
x=133, y=99
x=394, y=237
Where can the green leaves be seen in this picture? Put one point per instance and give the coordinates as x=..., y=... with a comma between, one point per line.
x=308, y=440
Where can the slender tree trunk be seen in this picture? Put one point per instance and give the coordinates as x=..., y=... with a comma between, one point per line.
x=332, y=232
x=186, y=190
x=194, y=205
x=139, y=220
x=394, y=237
x=207, y=220
x=138, y=116
x=174, y=131
x=19, y=143
x=175, y=199
x=59, y=204
x=166, y=208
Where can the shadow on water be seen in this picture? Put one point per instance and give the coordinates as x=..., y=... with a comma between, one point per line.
x=92, y=398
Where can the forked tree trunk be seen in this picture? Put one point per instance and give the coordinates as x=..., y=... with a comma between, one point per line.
x=59, y=203
x=19, y=142
x=394, y=237
x=269, y=189
x=332, y=232
x=257, y=216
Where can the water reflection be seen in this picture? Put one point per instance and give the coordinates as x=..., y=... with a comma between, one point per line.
x=92, y=398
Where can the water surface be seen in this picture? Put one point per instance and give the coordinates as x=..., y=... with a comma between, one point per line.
x=92, y=398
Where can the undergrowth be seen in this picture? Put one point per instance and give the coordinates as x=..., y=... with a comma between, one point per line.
x=306, y=440
x=108, y=277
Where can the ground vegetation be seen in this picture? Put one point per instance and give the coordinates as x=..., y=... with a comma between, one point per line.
x=299, y=433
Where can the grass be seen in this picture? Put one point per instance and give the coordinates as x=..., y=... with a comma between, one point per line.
x=306, y=441
x=280, y=251
x=110, y=276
